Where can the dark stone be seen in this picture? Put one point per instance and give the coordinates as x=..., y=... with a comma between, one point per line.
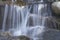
x=22, y=37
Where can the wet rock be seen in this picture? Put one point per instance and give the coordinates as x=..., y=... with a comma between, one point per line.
x=5, y=34
x=51, y=34
x=56, y=7
x=22, y=37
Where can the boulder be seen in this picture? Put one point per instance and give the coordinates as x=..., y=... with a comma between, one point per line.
x=56, y=7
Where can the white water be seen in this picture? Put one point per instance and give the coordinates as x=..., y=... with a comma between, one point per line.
x=5, y=17
x=19, y=16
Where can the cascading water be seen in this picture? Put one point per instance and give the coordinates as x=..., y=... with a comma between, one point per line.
x=5, y=17
x=18, y=18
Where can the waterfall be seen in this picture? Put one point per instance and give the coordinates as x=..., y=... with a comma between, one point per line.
x=5, y=17
x=19, y=18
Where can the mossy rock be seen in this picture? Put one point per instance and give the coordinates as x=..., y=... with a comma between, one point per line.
x=58, y=19
x=22, y=37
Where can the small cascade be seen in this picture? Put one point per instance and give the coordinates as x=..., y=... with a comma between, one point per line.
x=16, y=18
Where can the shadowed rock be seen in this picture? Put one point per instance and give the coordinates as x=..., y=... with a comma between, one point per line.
x=22, y=37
